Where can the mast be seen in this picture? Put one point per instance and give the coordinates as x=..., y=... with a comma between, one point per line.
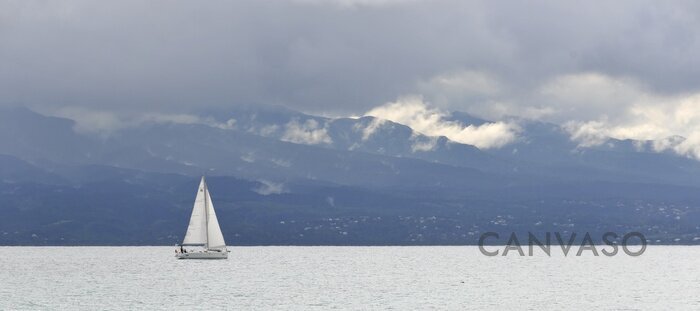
x=206, y=212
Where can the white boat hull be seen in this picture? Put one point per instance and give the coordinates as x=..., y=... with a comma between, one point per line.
x=202, y=255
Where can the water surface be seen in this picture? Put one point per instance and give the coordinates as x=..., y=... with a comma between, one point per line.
x=356, y=278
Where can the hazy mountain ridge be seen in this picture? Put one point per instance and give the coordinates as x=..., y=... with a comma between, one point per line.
x=338, y=181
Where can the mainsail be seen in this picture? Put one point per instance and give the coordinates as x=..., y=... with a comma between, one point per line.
x=204, y=228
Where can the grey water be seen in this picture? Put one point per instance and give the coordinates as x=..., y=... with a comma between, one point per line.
x=353, y=278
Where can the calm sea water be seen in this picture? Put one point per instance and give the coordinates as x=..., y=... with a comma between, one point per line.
x=358, y=278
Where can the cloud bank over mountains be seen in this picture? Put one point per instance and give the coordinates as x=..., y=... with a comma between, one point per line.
x=413, y=112
x=593, y=107
x=623, y=69
x=308, y=133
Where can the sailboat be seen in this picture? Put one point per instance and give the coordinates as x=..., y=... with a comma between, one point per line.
x=204, y=232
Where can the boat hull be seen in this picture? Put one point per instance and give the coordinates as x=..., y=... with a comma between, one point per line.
x=202, y=255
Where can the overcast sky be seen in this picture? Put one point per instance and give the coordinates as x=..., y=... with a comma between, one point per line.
x=626, y=68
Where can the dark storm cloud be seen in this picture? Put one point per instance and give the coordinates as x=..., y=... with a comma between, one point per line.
x=326, y=56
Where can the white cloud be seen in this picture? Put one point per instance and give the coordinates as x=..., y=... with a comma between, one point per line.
x=462, y=84
x=267, y=188
x=308, y=133
x=248, y=157
x=423, y=143
x=281, y=162
x=187, y=119
x=587, y=134
x=588, y=95
x=370, y=129
x=476, y=92
x=266, y=131
x=89, y=121
x=600, y=106
x=228, y=125
x=591, y=106
x=413, y=112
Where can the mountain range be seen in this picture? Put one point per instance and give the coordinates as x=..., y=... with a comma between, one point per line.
x=279, y=176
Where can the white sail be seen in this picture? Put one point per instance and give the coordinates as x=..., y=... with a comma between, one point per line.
x=197, y=230
x=215, y=238
x=204, y=227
